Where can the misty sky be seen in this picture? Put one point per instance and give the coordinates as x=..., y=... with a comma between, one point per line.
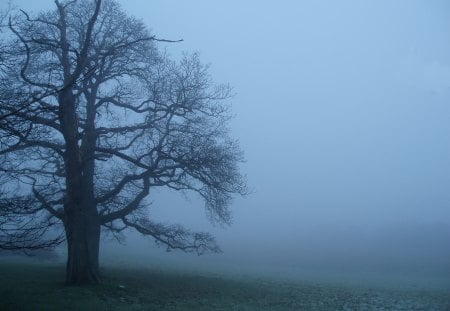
x=342, y=109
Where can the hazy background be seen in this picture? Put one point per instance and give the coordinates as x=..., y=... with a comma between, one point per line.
x=343, y=111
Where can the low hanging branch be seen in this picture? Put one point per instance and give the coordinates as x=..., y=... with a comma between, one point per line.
x=175, y=236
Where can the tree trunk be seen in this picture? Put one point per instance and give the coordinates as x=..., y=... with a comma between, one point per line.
x=83, y=242
x=82, y=223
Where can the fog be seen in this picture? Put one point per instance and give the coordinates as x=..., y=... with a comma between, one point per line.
x=342, y=109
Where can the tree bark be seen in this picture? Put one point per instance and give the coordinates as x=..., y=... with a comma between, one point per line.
x=82, y=222
x=83, y=242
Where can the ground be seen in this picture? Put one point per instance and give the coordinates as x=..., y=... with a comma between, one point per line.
x=34, y=285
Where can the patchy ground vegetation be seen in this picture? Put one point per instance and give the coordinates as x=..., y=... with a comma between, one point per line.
x=23, y=287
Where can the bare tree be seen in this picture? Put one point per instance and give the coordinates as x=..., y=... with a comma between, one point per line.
x=92, y=117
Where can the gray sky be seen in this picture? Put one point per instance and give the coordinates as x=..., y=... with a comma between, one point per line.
x=342, y=109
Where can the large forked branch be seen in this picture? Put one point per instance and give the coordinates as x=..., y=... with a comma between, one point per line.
x=46, y=204
x=73, y=79
x=175, y=236
x=87, y=42
x=130, y=207
x=27, y=62
x=119, y=187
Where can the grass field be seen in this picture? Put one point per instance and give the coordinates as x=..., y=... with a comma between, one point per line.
x=31, y=285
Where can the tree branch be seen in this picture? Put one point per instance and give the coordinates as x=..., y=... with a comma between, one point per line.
x=130, y=207
x=175, y=236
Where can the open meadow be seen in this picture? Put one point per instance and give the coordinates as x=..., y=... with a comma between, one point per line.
x=34, y=285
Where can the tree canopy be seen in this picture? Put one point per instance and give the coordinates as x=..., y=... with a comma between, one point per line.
x=93, y=116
